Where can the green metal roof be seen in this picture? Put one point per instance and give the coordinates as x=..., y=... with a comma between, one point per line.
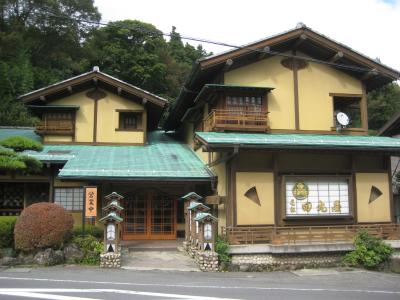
x=162, y=158
x=198, y=205
x=299, y=141
x=205, y=216
x=111, y=216
x=28, y=132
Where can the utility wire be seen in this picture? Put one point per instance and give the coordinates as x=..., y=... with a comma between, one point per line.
x=207, y=41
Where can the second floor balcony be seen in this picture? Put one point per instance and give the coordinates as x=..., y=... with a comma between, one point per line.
x=236, y=120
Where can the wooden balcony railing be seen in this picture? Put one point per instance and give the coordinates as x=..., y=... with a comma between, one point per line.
x=55, y=127
x=307, y=234
x=219, y=120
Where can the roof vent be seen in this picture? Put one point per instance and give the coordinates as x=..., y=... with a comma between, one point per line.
x=96, y=69
x=301, y=25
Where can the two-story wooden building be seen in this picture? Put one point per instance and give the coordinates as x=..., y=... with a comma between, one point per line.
x=279, y=126
x=283, y=123
x=102, y=132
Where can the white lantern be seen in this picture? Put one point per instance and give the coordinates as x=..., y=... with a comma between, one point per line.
x=111, y=232
x=207, y=231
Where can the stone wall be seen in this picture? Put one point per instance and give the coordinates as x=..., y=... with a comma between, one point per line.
x=274, y=262
x=110, y=260
x=206, y=260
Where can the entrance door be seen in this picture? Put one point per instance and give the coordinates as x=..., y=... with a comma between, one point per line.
x=149, y=215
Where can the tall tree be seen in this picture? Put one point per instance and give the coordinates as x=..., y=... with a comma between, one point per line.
x=383, y=104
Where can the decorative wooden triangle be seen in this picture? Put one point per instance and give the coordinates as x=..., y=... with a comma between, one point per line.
x=253, y=195
x=374, y=194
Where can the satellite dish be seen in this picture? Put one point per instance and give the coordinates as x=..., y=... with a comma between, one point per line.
x=343, y=119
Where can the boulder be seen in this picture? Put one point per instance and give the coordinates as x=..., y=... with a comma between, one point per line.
x=73, y=253
x=49, y=257
x=26, y=258
x=8, y=261
x=7, y=252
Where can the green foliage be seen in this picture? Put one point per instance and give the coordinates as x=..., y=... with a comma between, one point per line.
x=93, y=230
x=7, y=231
x=222, y=248
x=368, y=252
x=91, y=248
x=383, y=104
x=13, y=162
x=42, y=225
x=20, y=143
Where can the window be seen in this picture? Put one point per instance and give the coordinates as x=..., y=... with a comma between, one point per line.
x=130, y=121
x=253, y=103
x=351, y=107
x=69, y=198
x=317, y=196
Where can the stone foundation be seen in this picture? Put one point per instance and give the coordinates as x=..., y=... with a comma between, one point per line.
x=206, y=260
x=277, y=262
x=110, y=260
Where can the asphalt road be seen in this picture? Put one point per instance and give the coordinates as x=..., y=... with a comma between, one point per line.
x=76, y=283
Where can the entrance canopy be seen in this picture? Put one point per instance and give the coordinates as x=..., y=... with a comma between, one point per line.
x=163, y=158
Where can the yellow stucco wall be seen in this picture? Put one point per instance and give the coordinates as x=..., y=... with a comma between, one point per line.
x=248, y=212
x=316, y=81
x=108, y=120
x=269, y=73
x=59, y=183
x=84, y=115
x=378, y=210
x=202, y=155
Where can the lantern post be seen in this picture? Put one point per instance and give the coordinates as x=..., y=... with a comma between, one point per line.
x=195, y=208
x=188, y=199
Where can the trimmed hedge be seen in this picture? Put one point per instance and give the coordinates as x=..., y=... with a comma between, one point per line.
x=7, y=225
x=20, y=143
x=91, y=248
x=93, y=230
x=42, y=225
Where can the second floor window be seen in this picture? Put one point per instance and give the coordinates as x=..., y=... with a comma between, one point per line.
x=351, y=107
x=244, y=103
x=130, y=120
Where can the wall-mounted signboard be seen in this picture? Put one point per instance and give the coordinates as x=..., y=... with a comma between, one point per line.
x=90, y=201
x=313, y=196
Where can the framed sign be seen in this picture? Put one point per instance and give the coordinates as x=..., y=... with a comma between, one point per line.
x=90, y=201
x=317, y=196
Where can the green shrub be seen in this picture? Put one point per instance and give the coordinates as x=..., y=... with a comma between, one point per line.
x=42, y=225
x=20, y=143
x=93, y=230
x=7, y=231
x=91, y=248
x=222, y=248
x=369, y=251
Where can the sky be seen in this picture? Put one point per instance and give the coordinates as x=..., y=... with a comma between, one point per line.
x=368, y=26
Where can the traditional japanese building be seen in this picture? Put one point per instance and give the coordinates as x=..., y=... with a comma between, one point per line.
x=283, y=124
x=274, y=134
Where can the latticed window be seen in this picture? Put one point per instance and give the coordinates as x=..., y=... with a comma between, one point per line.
x=130, y=120
x=69, y=198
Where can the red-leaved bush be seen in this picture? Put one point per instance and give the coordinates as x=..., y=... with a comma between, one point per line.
x=42, y=225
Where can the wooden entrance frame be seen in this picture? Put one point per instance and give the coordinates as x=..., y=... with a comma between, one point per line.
x=151, y=196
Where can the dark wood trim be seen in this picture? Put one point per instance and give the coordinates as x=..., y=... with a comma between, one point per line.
x=144, y=126
x=391, y=199
x=349, y=129
x=131, y=110
x=296, y=93
x=275, y=159
x=93, y=144
x=42, y=93
x=95, y=108
x=354, y=187
x=346, y=95
x=25, y=180
x=364, y=108
x=129, y=130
